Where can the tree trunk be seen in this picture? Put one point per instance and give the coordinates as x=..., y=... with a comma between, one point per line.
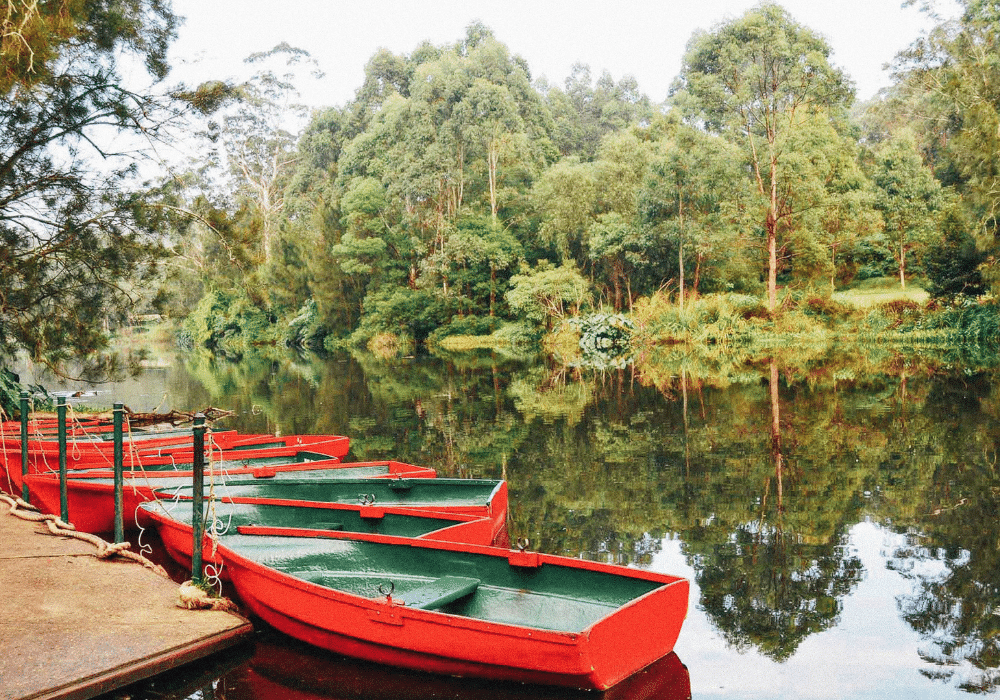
x=618, y=273
x=776, y=432
x=772, y=240
x=492, y=162
x=902, y=266
x=680, y=249
x=697, y=274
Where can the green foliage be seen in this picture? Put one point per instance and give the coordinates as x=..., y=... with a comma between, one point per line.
x=228, y=322
x=545, y=294
x=968, y=321
x=762, y=80
x=10, y=393
x=465, y=325
x=517, y=334
x=909, y=198
x=953, y=262
x=306, y=328
x=76, y=241
x=401, y=311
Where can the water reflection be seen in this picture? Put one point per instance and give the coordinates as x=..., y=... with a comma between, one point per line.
x=759, y=467
x=275, y=666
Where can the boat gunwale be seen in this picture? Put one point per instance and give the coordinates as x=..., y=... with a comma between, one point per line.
x=84, y=475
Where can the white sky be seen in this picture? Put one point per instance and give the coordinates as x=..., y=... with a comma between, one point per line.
x=643, y=38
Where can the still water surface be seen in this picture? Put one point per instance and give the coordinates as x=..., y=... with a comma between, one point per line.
x=838, y=517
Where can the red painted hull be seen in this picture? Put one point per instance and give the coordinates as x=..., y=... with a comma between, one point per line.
x=178, y=541
x=495, y=511
x=234, y=448
x=606, y=653
x=92, y=508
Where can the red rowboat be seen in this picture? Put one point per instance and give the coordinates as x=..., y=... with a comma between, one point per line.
x=460, y=609
x=90, y=495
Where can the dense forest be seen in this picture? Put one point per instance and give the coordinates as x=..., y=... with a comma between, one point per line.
x=456, y=195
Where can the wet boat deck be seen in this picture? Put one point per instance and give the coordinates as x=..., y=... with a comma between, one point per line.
x=72, y=626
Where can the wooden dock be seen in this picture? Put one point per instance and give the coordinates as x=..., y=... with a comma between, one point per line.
x=74, y=627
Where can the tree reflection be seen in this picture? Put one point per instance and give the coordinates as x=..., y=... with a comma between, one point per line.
x=759, y=466
x=953, y=547
x=768, y=583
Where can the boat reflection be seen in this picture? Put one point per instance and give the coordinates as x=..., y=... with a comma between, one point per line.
x=285, y=669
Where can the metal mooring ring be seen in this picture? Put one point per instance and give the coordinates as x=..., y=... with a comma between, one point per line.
x=387, y=593
x=366, y=499
x=523, y=543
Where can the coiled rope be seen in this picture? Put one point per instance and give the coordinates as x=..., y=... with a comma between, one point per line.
x=105, y=550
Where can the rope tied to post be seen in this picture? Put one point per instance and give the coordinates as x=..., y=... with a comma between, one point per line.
x=193, y=597
x=105, y=550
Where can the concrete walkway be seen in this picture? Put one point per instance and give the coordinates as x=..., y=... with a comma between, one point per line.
x=72, y=626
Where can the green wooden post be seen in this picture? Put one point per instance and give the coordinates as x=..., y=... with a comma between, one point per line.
x=198, y=512
x=24, y=446
x=63, y=492
x=119, y=410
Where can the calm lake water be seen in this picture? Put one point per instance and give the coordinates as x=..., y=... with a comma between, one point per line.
x=836, y=512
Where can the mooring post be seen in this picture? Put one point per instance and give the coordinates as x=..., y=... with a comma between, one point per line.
x=198, y=512
x=24, y=445
x=119, y=410
x=63, y=492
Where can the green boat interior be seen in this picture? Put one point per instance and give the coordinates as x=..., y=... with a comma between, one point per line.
x=479, y=586
x=382, y=492
x=161, y=479
x=233, y=515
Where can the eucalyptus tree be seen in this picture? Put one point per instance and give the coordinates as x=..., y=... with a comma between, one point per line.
x=693, y=194
x=255, y=137
x=909, y=199
x=75, y=231
x=566, y=198
x=754, y=79
x=832, y=207
x=453, y=131
x=585, y=111
x=948, y=90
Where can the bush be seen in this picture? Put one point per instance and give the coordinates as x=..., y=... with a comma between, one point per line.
x=516, y=334
x=306, y=329
x=968, y=321
x=465, y=325
x=388, y=345
x=816, y=305
x=401, y=311
x=228, y=321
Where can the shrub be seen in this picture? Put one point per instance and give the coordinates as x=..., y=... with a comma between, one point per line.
x=816, y=305
x=401, y=311
x=465, y=325
x=228, y=320
x=306, y=328
x=388, y=345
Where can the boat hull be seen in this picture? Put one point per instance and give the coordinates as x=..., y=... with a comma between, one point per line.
x=172, y=453
x=176, y=536
x=381, y=630
x=481, y=498
x=90, y=498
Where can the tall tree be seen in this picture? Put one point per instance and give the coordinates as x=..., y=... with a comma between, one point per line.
x=908, y=198
x=693, y=193
x=948, y=90
x=755, y=78
x=73, y=226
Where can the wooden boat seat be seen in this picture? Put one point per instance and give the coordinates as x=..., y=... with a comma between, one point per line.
x=440, y=592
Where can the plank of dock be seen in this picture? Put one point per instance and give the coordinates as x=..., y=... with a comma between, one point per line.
x=74, y=627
